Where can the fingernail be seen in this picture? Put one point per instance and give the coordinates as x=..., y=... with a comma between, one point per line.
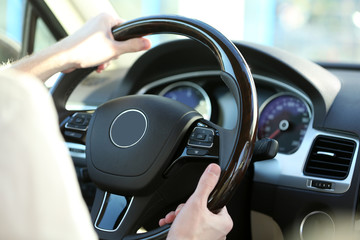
x=214, y=169
x=145, y=43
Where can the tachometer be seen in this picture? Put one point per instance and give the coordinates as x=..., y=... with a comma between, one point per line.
x=190, y=94
x=284, y=117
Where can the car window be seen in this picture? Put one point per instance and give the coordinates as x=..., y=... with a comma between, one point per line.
x=11, y=22
x=43, y=39
x=43, y=36
x=11, y=30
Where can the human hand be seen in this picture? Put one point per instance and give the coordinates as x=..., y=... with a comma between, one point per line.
x=94, y=44
x=193, y=220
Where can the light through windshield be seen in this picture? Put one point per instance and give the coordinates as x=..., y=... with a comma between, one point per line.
x=320, y=30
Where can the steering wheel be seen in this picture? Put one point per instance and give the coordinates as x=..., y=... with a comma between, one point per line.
x=135, y=145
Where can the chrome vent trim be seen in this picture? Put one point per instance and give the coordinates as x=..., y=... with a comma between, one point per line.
x=330, y=158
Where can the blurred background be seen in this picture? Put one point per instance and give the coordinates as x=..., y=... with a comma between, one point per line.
x=320, y=30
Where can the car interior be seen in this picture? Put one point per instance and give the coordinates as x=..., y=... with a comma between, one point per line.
x=282, y=126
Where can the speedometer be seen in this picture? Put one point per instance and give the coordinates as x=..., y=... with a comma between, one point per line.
x=190, y=94
x=285, y=118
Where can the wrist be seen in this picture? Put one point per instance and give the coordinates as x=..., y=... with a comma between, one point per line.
x=45, y=63
x=64, y=54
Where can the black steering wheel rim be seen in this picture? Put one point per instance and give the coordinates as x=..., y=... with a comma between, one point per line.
x=235, y=74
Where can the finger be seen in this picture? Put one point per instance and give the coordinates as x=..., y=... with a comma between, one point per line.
x=207, y=182
x=100, y=68
x=68, y=70
x=110, y=18
x=162, y=222
x=132, y=45
x=170, y=217
x=117, y=21
x=178, y=209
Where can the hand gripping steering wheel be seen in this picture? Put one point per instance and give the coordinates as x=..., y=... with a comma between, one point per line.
x=133, y=143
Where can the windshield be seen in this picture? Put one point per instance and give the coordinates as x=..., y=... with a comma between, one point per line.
x=320, y=30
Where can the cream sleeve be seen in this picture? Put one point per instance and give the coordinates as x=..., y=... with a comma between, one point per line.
x=39, y=193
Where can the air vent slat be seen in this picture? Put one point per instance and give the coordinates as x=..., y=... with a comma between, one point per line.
x=330, y=157
x=330, y=163
x=328, y=170
x=324, y=148
x=345, y=144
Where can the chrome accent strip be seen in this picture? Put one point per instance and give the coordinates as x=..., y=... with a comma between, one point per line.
x=272, y=82
x=155, y=236
x=78, y=107
x=74, y=128
x=325, y=153
x=309, y=215
x=193, y=85
x=101, y=208
x=201, y=146
x=288, y=93
x=98, y=216
x=76, y=150
x=177, y=77
x=310, y=181
x=143, y=134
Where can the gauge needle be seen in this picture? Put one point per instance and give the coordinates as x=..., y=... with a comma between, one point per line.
x=274, y=134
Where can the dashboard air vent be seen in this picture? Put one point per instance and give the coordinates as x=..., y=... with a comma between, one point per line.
x=330, y=158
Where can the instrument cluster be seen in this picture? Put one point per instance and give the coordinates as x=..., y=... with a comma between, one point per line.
x=284, y=115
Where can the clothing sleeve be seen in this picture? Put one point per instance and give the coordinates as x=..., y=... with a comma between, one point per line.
x=40, y=195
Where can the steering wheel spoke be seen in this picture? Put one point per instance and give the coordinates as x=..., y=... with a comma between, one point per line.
x=116, y=216
x=202, y=145
x=75, y=125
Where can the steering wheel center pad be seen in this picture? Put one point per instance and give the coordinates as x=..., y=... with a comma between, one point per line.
x=130, y=140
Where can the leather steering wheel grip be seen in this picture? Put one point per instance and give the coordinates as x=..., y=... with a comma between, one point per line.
x=236, y=76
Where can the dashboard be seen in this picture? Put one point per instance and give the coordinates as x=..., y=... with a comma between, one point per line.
x=303, y=106
x=285, y=113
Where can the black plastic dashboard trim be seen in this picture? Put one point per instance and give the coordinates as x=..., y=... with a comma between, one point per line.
x=321, y=86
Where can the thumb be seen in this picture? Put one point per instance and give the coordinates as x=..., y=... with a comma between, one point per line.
x=132, y=45
x=207, y=182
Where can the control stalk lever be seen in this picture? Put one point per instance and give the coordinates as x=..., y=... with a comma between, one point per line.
x=265, y=149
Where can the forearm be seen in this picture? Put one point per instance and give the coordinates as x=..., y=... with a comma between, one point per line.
x=92, y=45
x=45, y=63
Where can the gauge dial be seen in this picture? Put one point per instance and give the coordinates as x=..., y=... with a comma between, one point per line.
x=285, y=118
x=190, y=94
